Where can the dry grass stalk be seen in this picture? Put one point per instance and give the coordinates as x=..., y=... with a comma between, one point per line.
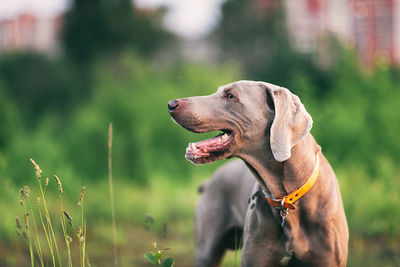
x=79, y=234
x=18, y=223
x=26, y=217
x=38, y=171
x=25, y=192
x=110, y=183
x=82, y=194
x=48, y=229
x=58, y=183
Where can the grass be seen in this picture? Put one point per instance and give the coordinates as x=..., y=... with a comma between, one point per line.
x=40, y=225
x=172, y=204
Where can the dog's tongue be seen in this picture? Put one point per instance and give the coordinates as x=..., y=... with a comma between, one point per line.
x=209, y=145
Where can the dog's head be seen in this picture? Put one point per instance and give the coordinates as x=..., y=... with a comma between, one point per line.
x=252, y=116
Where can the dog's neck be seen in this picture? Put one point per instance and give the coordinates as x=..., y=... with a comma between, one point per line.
x=281, y=178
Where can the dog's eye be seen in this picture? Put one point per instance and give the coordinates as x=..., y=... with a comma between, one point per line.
x=230, y=96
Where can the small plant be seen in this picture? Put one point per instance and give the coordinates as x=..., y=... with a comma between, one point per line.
x=155, y=257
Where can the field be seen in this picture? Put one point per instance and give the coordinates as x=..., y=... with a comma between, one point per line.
x=170, y=205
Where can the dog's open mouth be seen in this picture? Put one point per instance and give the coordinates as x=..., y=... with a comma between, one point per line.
x=211, y=149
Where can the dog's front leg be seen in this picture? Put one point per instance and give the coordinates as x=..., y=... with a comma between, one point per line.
x=262, y=238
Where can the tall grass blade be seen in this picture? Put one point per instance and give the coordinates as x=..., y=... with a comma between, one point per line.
x=37, y=244
x=49, y=243
x=110, y=183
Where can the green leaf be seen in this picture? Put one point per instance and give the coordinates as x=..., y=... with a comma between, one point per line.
x=158, y=255
x=168, y=262
x=151, y=258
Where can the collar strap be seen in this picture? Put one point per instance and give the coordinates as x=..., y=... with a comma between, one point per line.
x=286, y=202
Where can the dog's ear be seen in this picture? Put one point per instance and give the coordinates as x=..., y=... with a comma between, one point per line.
x=291, y=122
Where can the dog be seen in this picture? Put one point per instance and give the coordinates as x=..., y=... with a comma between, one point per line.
x=296, y=215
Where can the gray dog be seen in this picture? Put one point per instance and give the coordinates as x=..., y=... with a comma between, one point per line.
x=296, y=215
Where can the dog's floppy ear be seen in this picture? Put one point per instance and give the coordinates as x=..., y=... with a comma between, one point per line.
x=291, y=122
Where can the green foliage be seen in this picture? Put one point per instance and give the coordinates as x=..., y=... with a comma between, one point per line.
x=97, y=27
x=355, y=121
x=10, y=120
x=151, y=258
x=169, y=262
x=38, y=85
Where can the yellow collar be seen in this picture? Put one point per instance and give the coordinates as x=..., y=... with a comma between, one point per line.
x=286, y=202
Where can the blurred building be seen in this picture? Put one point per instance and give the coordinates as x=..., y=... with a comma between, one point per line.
x=372, y=26
x=30, y=32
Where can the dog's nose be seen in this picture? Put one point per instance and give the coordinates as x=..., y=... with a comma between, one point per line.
x=173, y=104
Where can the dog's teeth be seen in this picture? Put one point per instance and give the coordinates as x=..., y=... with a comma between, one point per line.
x=193, y=146
x=225, y=137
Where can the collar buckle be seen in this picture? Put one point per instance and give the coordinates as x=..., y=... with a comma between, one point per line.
x=285, y=203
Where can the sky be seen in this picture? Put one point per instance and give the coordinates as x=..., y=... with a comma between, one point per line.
x=9, y=8
x=190, y=19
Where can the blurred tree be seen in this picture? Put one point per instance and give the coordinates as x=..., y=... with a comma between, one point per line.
x=95, y=27
x=37, y=84
x=254, y=34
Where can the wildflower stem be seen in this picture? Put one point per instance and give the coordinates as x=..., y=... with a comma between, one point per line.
x=29, y=237
x=64, y=228
x=82, y=236
x=47, y=238
x=37, y=245
x=84, y=243
x=49, y=222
